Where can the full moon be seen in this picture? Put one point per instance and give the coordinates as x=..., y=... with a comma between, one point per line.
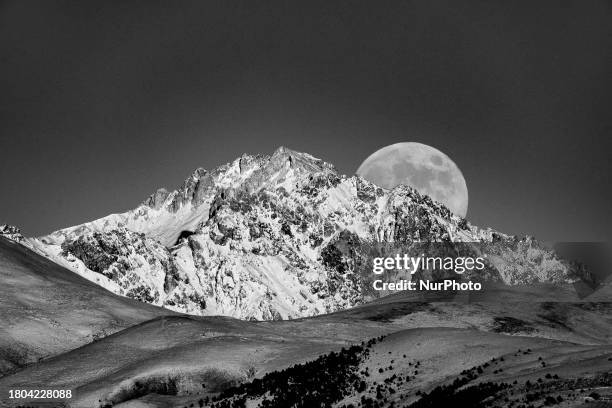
x=421, y=167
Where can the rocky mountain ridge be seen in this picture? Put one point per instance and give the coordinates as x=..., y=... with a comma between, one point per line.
x=272, y=237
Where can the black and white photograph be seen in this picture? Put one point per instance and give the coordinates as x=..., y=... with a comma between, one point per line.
x=305, y=204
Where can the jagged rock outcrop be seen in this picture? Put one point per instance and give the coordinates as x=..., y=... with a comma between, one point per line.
x=11, y=232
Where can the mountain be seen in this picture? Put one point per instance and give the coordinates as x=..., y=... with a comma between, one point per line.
x=287, y=245
x=276, y=237
x=47, y=310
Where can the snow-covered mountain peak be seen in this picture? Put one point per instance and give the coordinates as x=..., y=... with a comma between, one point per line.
x=250, y=173
x=270, y=236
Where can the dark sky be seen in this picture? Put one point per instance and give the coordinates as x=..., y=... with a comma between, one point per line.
x=103, y=102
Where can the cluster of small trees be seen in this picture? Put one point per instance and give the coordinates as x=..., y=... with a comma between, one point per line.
x=321, y=382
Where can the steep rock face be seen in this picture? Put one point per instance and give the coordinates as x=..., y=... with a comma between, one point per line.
x=142, y=267
x=270, y=237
